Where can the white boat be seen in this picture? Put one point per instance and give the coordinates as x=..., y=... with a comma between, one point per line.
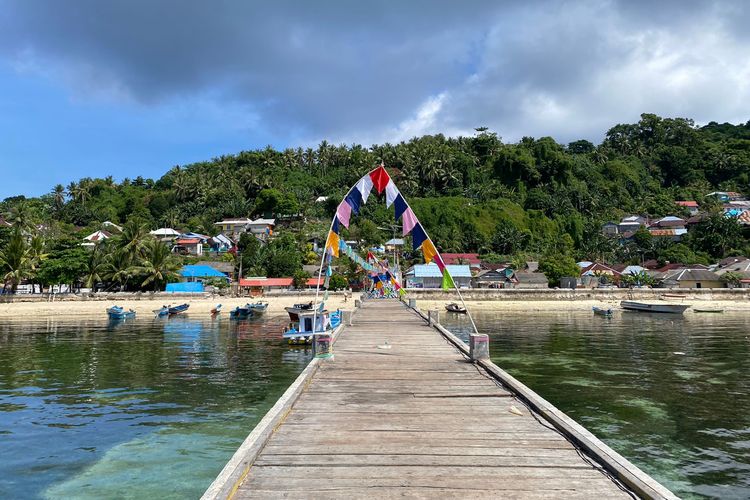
x=654, y=308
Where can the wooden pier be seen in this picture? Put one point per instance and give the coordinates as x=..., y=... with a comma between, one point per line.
x=400, y=411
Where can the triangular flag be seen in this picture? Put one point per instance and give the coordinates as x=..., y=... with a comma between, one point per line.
x=401, y=206
x=380, y=178
x=332, y=243
x=410, y=220
x=354, y=199
x=428, y=251
x=390, y=193
x=418, y=236
x=343, y=212
x=447, y=280
x=402, y=292
x=365, y=186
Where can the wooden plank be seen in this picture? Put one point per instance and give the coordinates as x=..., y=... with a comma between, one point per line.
x=376, y=460
x=584, y=491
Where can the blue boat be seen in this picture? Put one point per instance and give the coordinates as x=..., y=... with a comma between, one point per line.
x=241, y=313
x=301, y=329
x=163, y=312
x=117, y=312
x=257, y=307
x=603, y=312
x=178, y=309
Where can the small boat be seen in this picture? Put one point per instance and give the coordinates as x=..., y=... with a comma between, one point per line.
x=666, y=296
x=117, y=312
x=301, y=330
x=216, y=311
x=707, y=310
x=178, y=309
x=455, y=308
x=241, y=313
x=603, y=312
x=655, y=308
x=160, y=313
x=257, y=307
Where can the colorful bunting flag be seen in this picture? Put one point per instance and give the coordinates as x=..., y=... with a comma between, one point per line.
x=402, y=291
x=335, y=226
x=380, y=178
x=447, y=280
x=332, y=243
x=410, y=220
x=390, y=193
x=418, y=236
x=400, y=205
x=365, y=186
x=428, y=251
x=329, y=271
x=354, y=199
x=343, y=213
x=439, y=262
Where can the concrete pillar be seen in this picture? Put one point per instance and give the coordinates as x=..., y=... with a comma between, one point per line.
x=433, y=317
x=357, y=303
x=479, y=346
x=413, y=303
x=346, y=317
x=323, y=345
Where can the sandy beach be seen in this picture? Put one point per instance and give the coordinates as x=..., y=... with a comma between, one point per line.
x=276, y=304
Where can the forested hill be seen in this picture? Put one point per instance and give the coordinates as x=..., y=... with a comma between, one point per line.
x=472, y=193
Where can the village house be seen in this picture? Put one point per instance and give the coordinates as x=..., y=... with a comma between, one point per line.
x=690, y=206
x=189, y=244
x=631, y=223
x=472, y=259
x=220, y=243
x=257, y=286
x=494, y=278
x=234, y=228
x=610, y=229
x=394, y=244
x=429, y=276
x=531, y=280
x=95, y=238
x=165, y=234
x=690, y=278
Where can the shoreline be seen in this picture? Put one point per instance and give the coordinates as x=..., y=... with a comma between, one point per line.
x=202, y=305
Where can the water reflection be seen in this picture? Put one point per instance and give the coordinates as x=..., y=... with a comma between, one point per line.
x=671, y=393
x=142, y=408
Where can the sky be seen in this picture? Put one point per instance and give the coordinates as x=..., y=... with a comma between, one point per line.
x=134, y=87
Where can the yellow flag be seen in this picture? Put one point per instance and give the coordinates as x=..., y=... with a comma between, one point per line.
x=429, y=251
x=333, y=243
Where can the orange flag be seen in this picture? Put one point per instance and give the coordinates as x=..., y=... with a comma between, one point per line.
x=428, y=251
x=333, y=243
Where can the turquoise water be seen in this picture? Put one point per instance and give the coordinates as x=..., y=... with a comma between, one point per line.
x=141, y=409
x=670, y=393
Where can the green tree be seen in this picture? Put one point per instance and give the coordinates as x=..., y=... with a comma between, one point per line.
x=716, y=235
x=556, y=266
x=158, y=265
x=338, y=282
x=15, y=261
x=299, y=280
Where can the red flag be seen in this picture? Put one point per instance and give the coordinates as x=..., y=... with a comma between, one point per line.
x=379, y=178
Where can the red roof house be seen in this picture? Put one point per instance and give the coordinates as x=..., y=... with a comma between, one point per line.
x=461, y=258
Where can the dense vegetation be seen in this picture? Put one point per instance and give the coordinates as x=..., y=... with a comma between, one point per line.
x=535, y=198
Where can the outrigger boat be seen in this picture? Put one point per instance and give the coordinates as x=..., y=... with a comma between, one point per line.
x=656, y=308
x=171, y=310
x=216, y=311
x=603, y=312
x=455, y=308
x=241, y=313
x=117, y=312
x=301, y=328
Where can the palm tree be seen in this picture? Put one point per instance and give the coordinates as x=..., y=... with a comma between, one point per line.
x=96, y=266
x=119, y=268
x=158, y=265
x=15, y=261
x=58, y=196
x=132, y=239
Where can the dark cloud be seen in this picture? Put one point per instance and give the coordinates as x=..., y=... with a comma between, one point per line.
x=373, y=71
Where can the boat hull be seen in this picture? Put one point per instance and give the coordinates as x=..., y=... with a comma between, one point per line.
x=653, y=308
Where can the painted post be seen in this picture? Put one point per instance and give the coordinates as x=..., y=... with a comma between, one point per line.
x=433, y=316
x=413, y=303
x=357, y=303
x=479, y=346
x=346, y=317
x=322, y=345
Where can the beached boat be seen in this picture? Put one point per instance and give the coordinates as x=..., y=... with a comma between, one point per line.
x=216, y=311
x=241, y=313
x=301, y=329
x=707, y=310
x=178, y=309
x=455, y=308
x=117, y=312
x=602, y=311
x=655, y=308
x=160, y=313
x=671, y=296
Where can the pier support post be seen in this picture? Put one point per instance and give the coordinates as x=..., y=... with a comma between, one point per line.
x=413, y=303
x=433, y=317
x=346, y=317
x=323, y=345
x=357, y=303
x=479, y=346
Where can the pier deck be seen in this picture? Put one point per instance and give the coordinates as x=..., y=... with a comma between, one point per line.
x=414, y=420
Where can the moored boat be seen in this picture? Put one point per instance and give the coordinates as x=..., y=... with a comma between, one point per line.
x=455, y=308
x=257, y=307
x=301, y=329
x=117, y=312
x=216, y=311
x=178, y=309
x=603, y=312
x=707, y=310
x=241, y=313
x=655, y=308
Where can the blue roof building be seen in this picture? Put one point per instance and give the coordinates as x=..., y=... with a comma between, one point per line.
x=200, y=272
x=429, y=276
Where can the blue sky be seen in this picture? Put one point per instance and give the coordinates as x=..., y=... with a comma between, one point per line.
x=134, y=87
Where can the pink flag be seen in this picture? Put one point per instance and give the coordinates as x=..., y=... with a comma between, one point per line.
x=365, y=186
x=343, y=212
x=439, y=261
x=390, y=193
x=409, y=220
